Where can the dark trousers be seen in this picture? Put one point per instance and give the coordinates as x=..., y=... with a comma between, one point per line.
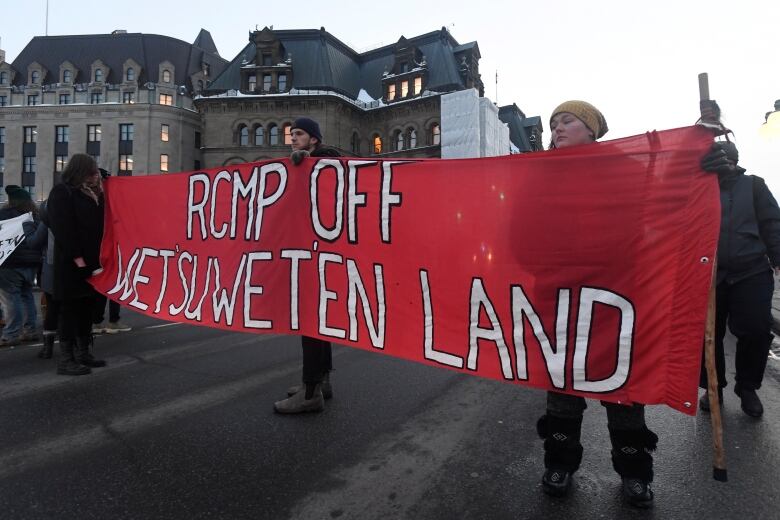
x=317, y=359
x=99, y=312
x=746, y=307
x=76, y=318
x=51, y=319
x=619, y=416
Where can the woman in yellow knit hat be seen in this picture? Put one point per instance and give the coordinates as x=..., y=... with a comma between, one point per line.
x=577, y=123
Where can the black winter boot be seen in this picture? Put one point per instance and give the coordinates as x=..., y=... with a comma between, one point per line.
x=84, y=356
x=48, y=345
x=632, y=460
x=562, y=452
x=68, y=366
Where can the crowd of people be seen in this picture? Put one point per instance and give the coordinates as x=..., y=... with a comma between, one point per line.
x=62, y=244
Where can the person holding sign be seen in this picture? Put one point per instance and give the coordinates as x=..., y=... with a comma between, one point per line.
x=306, y=140
x=577, y=123
x=75, y=209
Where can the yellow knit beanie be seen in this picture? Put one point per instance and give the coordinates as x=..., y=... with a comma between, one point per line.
x=586, y=113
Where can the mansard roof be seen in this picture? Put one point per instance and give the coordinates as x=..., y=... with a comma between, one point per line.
x=321, y=61
x=148, y=50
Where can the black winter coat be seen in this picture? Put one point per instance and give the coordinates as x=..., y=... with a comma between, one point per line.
x=29, y=252
x=749, y=227
x=77, y=225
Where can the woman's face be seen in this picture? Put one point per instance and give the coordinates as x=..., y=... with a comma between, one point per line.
x=567, y=130
x=94, y=179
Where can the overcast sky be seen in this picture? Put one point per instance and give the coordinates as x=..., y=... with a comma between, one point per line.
x=637, y=61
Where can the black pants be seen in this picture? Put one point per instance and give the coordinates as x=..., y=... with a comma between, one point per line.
x=746, y=307
x=619, y=416
x=317, y=359
x=99, y=310
x=51, y=321
x=76, y=318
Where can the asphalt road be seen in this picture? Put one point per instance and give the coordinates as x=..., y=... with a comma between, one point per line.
x=180, y=426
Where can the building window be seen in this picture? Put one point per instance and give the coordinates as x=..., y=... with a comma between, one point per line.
x=59, y=163
x=266, y=82
x=98, y=75
x=197, y=139
x=3, y=78
x=243, y=136
x=377, y=142
x=197, y=164
x=29, y=164
x=126, y=163
x=2, y=135
x=259, y=135
x=30, y=134
x=273, y=135
x=287, y=133
x=435, y=134
x=391, y=92
x=267, y=60
x=32, y=99
x=64, y=99
x=130, y=74
x=404, y=67
x=67, y=76
x=94, y=133
x=355, y=143
x=412, y=133
x=96, y=97
x=166, y=99
x=417, y=85
x=166, y=76
x=282, y=80
x=404, y=89
x=128, y=97
x=126, y=132
x=3, y=101
x=35, y=77
x=62, y=134
x=252, y=83
x=164, y=163
x=399, y=140
x=164, y=131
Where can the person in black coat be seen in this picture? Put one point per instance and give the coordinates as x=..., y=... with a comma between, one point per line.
x=75, y=209
x=317, y=357
x=748, y=249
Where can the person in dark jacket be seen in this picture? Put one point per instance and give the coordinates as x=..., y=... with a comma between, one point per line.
x=51, y=315
x=75, y=208
x=306, y=141
x=17, y=273
x=748, y=249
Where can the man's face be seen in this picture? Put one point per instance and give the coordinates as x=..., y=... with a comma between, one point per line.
x=301, y=140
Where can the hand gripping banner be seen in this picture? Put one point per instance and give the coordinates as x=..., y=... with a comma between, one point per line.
x=583, y=270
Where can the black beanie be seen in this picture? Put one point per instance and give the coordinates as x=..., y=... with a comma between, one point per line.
x=309, y=126
x=731, y=150
x=15, y=192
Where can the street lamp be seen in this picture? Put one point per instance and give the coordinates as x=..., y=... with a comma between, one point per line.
x=771, y=127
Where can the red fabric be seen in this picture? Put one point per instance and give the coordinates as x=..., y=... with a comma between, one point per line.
x=631, y=223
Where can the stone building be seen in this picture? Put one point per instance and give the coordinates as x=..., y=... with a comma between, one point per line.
x=124, y=98
x=383, y=103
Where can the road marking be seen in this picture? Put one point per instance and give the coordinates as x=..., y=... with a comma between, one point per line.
x=163, y=325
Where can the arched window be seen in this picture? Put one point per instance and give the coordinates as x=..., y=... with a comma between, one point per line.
x=288, y=133
x=412, y=137
x=67, y=76
x=130, y=75
x=35, y=77
x=377, y=143
x=98, y=75
x=259, y=135
x=355, y=143
x=243, y=136
x=435, y=134
x=273, y=135
x=399, y=140
x=166, y=76
x=3, y=78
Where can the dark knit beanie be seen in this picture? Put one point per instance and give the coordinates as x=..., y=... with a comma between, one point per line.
x=731, y=150
x=18, y=193
x=309, y=126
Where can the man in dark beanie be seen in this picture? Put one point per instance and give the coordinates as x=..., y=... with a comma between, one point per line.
x=748, y=249
x=317, y=361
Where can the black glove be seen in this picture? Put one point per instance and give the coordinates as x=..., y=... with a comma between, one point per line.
x=717, y=160
x=297, y=156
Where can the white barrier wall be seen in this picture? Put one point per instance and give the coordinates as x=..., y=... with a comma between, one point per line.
x=470, y=127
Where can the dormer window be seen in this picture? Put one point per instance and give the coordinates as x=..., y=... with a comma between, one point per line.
x=67, y=76
x=98, y=75
x=252, y=83
x=166, y=76
x=130, y=74
x=282, y=80
x=417, y=85
x=3, y=78
x=404, y=89
x=404, y=67
x=35, y=77
x=267, y=60
x=391, y=92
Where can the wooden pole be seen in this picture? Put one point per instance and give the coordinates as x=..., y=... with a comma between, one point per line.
x=719, y=454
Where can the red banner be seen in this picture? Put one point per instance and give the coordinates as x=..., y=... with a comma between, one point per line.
x=584, y=270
